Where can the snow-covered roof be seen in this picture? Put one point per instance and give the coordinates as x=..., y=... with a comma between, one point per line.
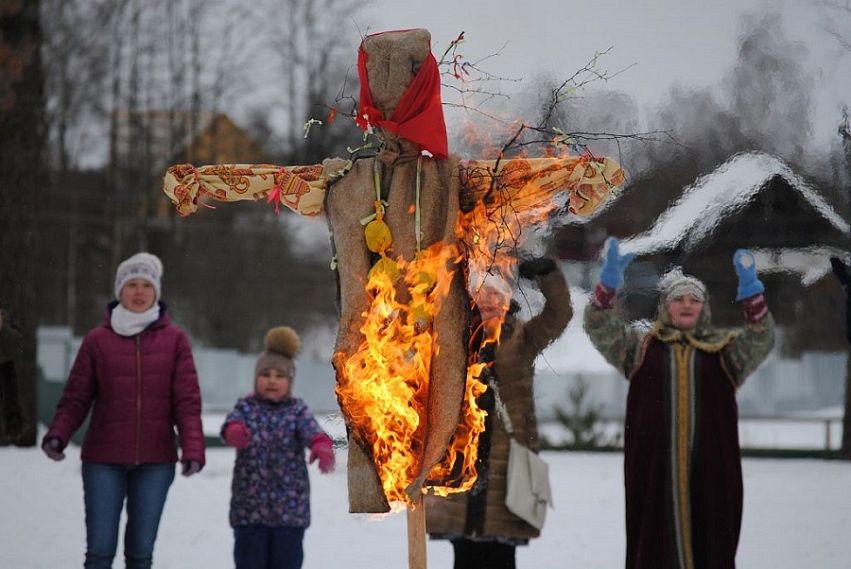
x=713, y=196
x=811, y=264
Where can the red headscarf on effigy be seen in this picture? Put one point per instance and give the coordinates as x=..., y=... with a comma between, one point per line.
x=418, y=116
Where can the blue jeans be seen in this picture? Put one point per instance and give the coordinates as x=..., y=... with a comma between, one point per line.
x=264, y=547
x=105, y=486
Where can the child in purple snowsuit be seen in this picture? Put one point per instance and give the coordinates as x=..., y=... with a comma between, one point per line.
x=270, y=491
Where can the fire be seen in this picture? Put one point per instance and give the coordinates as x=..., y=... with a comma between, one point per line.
x=384, y=384
x=491, y=231
x=509, y=198
x=480, y=140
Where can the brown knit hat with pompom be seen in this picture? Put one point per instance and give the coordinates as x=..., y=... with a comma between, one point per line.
x=282, y=344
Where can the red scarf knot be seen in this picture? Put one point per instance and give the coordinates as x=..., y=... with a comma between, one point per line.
x=418, y=116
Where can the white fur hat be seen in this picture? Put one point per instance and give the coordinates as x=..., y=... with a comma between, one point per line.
x=139, y=266
x=676, y=283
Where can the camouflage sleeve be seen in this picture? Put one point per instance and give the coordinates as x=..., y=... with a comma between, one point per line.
x=619, y=343
x=753, y=343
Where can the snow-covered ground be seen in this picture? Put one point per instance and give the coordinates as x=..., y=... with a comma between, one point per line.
x=797, y=515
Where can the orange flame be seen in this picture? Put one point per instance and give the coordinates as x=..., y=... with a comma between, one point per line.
x=384, y=385
x=509, y=198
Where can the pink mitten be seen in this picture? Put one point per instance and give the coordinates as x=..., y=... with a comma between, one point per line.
x=237, y=435
x=321, y=448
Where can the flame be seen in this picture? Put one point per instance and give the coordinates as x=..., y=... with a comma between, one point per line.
x=384, y=385
x=487, y=143
x=509, y=197
x=457, y=470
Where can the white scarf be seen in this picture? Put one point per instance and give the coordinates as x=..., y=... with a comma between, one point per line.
x=128, y=323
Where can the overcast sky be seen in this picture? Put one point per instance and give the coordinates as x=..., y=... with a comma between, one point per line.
x=686, y=42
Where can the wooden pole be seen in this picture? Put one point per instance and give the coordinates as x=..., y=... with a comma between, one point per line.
x=417, y=535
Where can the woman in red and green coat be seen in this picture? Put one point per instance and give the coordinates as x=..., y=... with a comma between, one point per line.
x=682, y=463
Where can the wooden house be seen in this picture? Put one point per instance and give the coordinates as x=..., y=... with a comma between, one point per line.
x=756, y=201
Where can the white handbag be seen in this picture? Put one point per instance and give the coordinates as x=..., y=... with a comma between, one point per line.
x=528, y=477
x=528, y=480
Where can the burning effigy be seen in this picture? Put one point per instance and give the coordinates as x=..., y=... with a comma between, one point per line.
x=410, y=262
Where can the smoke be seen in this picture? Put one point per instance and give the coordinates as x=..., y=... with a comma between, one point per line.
x=769, y=87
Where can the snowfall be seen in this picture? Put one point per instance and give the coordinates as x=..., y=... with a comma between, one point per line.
x=797, y=514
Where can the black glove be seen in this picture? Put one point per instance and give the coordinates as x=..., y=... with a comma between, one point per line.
x=53, y=447
x=190, y=467
x=531, y=268
x=841, y=271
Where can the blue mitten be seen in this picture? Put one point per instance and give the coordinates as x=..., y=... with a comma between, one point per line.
x=749, y=284
x=614, y=264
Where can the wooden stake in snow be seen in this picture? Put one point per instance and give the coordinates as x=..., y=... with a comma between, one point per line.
x=417, y=535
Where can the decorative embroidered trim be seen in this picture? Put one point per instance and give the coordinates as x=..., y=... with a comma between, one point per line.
x=670, y=335
x=604, y=297
x=682, y=440
x=755, y=308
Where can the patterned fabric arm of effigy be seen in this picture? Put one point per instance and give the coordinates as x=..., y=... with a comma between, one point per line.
x=531, y=182
x=525, y=182
x=300, y=188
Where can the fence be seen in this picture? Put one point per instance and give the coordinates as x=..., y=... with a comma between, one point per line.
x=791, y=435
x=768, y=422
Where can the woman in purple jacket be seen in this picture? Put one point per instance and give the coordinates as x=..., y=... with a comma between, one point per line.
x=136, y=371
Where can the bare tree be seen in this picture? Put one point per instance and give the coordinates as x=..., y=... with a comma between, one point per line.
x=128, y=83
x=313, y=58
x=770, y=87
x=21, y=177
x=75, y=63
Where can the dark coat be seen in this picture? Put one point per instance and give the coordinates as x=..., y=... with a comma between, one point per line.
x=270, y=485
x=483, y=514
x=11, y=349
x=707, y=490
x=682, y=464
x=142, y=387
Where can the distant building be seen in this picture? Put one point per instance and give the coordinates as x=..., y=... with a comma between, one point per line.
x=753, y=200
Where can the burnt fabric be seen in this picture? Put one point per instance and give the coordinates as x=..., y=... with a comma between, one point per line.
x=348, y=201
x=139, y=388
x=682, y=464
x=481, y=513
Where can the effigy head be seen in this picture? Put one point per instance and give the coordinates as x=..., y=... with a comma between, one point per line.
x=393, y=60
x=400, y=90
